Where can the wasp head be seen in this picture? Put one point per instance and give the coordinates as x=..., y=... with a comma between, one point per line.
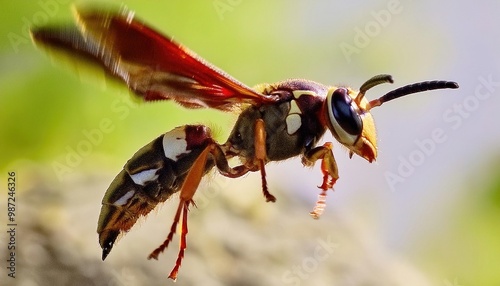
x=351, y=123
x=348, y=113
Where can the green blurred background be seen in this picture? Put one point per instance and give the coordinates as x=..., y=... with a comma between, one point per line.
x=437, y=224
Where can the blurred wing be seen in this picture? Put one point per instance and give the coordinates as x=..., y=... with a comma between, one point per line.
x=154, y=67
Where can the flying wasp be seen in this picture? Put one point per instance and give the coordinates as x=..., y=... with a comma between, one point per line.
x=277, y=121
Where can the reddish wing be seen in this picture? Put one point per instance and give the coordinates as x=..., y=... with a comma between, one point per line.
x=154, y=67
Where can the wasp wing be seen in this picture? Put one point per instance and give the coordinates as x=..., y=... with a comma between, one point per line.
x=152, y=65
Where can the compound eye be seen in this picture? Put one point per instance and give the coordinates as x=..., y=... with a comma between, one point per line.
x=344, y=112
x=345, y=121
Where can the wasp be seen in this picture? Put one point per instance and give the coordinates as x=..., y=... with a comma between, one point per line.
x=277, y=121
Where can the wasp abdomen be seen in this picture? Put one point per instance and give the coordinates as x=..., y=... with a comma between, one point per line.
x=150, y=177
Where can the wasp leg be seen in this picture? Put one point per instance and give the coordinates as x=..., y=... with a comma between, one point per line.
x=183, y=243
x=187, y=192
x=238, y=171
x=257, y=164
x=329, y=170
x=223, y=166
x=261, y=156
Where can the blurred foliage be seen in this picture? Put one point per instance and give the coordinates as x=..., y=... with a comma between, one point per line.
x=469, y=242
x=494, y=186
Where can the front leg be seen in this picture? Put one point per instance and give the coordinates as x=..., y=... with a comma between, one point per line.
x=329, y=170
